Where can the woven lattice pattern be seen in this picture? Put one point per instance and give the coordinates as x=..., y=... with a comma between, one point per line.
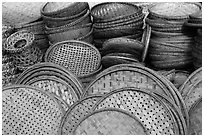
x=26, y=110
x=78, y=111
x=151, y=112
x=79, y=58
x=110, y=123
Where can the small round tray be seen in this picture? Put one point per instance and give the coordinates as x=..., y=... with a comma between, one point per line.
x=77, y=111
x=78, y=57
x=110, y=122
x=29, y=110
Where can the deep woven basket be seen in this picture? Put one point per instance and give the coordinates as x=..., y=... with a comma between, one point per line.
x=77, y=111
x=110, y=122
x=78, y=57
x=29, y=111
x=136, y=101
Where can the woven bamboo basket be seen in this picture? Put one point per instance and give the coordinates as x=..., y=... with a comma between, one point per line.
x=20, y=12
x=174, y=11
x=111, y=11
x=196, y=118
x=193, y=78
x=78, y=57
x=72, y=33
x=25, y=111
x=63, y=9
x=136, y=101
x=51, y=69
x=77, y=111
x=110, y=122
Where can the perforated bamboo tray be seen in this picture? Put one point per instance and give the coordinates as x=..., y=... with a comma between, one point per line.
x=29, y=110
x=110, y=122
x=78, y=57
x=77, y=111
x=136, y=101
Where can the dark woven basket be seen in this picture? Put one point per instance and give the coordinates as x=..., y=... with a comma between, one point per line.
x=29, y=111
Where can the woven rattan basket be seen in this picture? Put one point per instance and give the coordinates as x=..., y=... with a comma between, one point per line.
x=77, y=111
x=110, y=122
x=78, y=57
x=136, y=101
x=29, y=111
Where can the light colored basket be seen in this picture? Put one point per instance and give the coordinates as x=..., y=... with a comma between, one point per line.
x=20, y=12
x=77, y=111
x=29, y=111
x=78, y=57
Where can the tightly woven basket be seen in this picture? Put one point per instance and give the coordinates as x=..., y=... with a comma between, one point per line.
x=29, y=111
x=136, y=101
x=78, y=57
x=110, y=122
x=20, y=12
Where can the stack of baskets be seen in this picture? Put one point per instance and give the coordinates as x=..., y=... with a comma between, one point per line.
x=171, y=42
x=67, y=21
x=116, y=19
x=20, y=45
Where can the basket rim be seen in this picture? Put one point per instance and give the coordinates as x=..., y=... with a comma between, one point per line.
x=72, y=107
x=120, y=57
x=189, y=24
x=111, y=109
x=146, y=40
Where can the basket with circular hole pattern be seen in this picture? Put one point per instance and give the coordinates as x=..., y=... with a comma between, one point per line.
x=111, y=11
x=29, y=111
x=77, y=111
x=63, y=9
x=20, y=12
x=149, y=108
x=110, y=122
x=51, y=70
x=196, y=118
x=78, y=57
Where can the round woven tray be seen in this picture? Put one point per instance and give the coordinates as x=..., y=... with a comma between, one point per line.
x=29, y=110
x=146, y=106
x=77, y=111
x=78, y=57
x=193, y=78
x=51, y=69
x=110, y=122
x=196, y=118
x=111, y=11
x=174, y=10
x=20, y=12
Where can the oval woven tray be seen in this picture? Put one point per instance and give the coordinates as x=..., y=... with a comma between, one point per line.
x=77, y=111
x=193, y=78
x=78, y=57
x=146, y=106
x=196, y=118
x=29, y=110
x=110, y=122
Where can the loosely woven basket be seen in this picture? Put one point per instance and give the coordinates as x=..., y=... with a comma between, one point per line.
x=136, y=101
x=51, y=70
x=110, y=122
x=63, y=9
x=111, y=11
x=77, y=111
x=20, y=12
x=78, y=57
x=29, y=111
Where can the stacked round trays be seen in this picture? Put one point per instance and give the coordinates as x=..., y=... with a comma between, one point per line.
x=81, y=58
x=67, y=21
x=22, y=47
x=27, y=110
x=171, y=42
x=129, y=75
x=191, y=90
x=38, y=29
x=54, y=79
x=116, y=19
